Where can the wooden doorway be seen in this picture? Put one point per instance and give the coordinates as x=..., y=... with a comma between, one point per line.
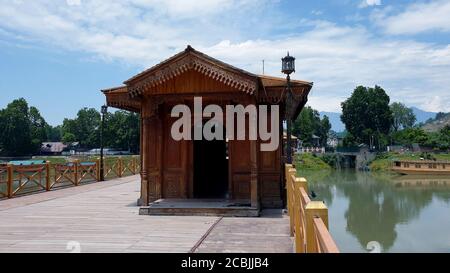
x=210, y=169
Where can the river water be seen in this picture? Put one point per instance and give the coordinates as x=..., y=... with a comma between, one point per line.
x=388, y=213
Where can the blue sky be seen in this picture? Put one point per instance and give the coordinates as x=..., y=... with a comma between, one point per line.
x=59, y=54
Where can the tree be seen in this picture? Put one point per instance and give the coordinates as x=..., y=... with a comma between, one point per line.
x=410, y=136
x=54, y=133
x=403, y=117
x=367, y=115
x=308, y=124
x=38, y=129
x=84, y=129
x=303, y=126
x=325, y=127
x=444, y=137
x=122, y=131
x=15, y=135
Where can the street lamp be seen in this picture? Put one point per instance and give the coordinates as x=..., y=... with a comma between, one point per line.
x=288, y=67
x=104, y=111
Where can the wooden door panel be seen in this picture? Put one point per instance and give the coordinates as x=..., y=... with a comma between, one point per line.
x=241, y=186
x=175, y=164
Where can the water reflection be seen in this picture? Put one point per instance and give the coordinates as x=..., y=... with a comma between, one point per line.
x=377, y=204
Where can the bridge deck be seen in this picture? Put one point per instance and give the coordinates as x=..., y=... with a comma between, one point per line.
x=102, y=217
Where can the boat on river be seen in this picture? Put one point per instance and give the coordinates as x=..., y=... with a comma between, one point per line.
x=428, y=167
x=424, y=181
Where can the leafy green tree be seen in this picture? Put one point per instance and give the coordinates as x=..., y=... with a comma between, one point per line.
x=38, y=129
x=403, y=116
x=84, y=129
x=308, y=124
x=54, y=133
x=304, y=126
x=367, y=115
x=68, y=138
x=122, y=131
x=325, y=127
x=15, y=135
x=349, y=140
x=411, y=136
x=444, y=137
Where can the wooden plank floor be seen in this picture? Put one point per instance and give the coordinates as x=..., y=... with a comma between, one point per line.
x=266, y=234
x=102, y=217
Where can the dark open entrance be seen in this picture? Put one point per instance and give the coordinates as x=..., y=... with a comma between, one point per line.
x=210, y=169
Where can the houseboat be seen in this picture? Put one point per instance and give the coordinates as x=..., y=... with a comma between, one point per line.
x=422, y=167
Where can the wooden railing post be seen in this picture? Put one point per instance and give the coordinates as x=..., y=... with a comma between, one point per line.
x=133, y=166
x=299, y=183
x=119, y=166
x=47, y=176
x=314, y=209
x=75, y=168
x=290, y=202
x=10, y=184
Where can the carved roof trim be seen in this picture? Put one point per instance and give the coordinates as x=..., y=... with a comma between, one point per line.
x=190, y=59
x=119, y=97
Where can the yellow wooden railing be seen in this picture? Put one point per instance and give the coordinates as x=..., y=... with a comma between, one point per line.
x=20, y=180
x=308, y=219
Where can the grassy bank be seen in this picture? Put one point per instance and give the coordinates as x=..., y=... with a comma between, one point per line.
x=310, y=162
x=382, y=161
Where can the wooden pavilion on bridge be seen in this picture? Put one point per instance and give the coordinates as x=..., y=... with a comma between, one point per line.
x=235, y=171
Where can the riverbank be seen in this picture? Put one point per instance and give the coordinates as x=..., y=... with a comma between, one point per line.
x=310, y=162
x=382, y=161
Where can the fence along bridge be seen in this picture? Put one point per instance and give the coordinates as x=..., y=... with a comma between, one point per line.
x=102, y=217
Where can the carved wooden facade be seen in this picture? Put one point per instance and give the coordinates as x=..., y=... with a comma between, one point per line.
x=169, y=166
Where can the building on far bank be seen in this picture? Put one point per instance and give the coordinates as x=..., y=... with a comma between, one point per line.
x=52, y=148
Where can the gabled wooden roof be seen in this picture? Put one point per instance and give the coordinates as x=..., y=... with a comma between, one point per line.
x=266, y=88
x=193, y=59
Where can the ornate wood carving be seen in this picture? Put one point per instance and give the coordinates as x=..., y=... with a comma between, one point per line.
x=188, y=62
x=119, y=98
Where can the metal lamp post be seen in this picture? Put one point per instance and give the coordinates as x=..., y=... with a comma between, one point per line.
x=104, y=111
x=288, y=67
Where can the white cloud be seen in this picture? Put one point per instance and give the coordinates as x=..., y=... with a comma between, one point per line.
x=73, y=2
x=336, y=58
x=368, y=3
x=417, y=18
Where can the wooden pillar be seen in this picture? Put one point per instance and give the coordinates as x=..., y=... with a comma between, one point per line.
x=144, y=201
x=254, y=173
x=160, y=159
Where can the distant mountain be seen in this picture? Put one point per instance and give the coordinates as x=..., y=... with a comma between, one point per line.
x=438, y=123
x=335, y=120
x=338, y=126
x=423, y=116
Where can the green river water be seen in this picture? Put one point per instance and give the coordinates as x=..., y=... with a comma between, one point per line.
x=388, y=213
